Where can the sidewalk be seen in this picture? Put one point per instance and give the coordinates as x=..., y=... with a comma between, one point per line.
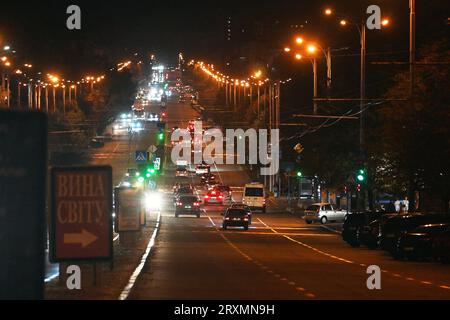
x=126, y=258
x=281, y=205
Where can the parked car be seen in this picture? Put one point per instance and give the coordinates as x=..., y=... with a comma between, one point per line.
x=323, y=212
x=353, y=225
x=418, y=243
x=235, y=218
x=187, y=205
x=441, y=247
x=395, y=226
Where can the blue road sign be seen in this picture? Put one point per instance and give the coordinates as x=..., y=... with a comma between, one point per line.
x=141, y=156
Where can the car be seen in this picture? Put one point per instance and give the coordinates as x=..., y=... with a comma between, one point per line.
x=126, y=182
x=418, y=243
x=225, y=190
x=208, y=178
x=243, y=207
x=323, y=213
x=132, y=172
x=187, y=205
x=353, y=226
x=180, y=185
x=202, y=169
x=254, y=196
x=441, y=247
x=181, y=172
x=96, y=143
x=213, y=197
x=235, y=218
x=395, y=226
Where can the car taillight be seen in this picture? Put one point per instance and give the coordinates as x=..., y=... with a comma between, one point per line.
x=220, y=197
x=179, y=204
x=196, y=204
x=206, y=197
x=213, y=193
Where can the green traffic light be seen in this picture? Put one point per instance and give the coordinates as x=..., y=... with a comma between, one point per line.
x=361, y=175
x=161, y=136
x=299, y=174
x=148, y=175
x=152, y=171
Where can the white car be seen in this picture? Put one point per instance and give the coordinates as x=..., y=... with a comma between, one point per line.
x=201, y=169
x=323, y=212
x=255, y=196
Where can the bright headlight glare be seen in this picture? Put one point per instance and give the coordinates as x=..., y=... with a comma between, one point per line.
x=153, y=200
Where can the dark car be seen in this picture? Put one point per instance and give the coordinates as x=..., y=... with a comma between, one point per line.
x=183, y=191
x=356, y=225
x=243, y=207
x=441, y=247
x=187, y=205
x=96, y=143
x=208, y=178
x=395, y=226
x=236, y=218
x=418, y=243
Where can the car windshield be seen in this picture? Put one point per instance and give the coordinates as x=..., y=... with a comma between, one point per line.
x=184, y=190
x=236, y=212
x=312, y=208
x=254, y=192
x=188, y=199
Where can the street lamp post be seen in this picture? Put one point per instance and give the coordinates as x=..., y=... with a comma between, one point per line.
x=362, y=31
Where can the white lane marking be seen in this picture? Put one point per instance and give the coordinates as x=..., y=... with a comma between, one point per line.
x=212, y=222
x=308, y=246
x=330, y=229
x=50, y=278
x=132, y=281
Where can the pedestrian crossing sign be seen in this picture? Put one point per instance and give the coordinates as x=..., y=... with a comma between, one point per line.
x=141, y=156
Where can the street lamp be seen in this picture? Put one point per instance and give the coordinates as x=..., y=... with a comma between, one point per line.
x=287, y=49
x=361, y=27
x=299, y=40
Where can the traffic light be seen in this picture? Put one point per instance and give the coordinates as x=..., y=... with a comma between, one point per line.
x=160, y=135
x=358, y=187
x=299, y=174
x=361, y=176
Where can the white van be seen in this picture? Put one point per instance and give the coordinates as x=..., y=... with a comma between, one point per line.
x=255, y=196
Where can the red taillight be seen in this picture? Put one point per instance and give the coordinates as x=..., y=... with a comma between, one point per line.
x=213, y=193
x=163, y=114
x=206, y=197
x=220, y=197
x=196, y=204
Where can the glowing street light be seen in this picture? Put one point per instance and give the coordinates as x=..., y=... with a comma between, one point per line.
x=385, y=22
x=298, y=56
x=299, y=40
x=328, y=11
x=287, y=49
x=311, y=48
x=343, y=22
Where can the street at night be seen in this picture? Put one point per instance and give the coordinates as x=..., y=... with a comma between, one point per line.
x=226, y=159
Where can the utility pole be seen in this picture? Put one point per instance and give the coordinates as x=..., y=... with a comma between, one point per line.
x=412, y=45
x=315, y=84
x=362, y=86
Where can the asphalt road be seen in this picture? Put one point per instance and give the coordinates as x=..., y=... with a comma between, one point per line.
x=279, y=257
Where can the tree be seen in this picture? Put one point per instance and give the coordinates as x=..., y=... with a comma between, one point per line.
x=410, y=147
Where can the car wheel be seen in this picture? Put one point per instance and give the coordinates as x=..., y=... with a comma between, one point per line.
x=323, y=220
x=264, y=209
x=246, y=227
x=308, y=221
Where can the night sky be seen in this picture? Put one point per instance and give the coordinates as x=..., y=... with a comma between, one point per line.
x=37, y=29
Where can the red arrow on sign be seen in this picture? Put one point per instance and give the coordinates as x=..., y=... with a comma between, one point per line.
x=85, y=238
